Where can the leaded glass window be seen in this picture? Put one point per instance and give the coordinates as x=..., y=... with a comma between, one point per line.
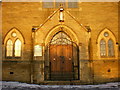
x=18, y=48
x=102, y=48
x=107, y=46
x=9, y=48
x=110, y=48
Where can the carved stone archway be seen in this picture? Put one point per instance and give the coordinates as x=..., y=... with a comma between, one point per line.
x=61, y=58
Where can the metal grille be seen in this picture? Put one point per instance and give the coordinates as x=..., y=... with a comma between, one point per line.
x=61, y=39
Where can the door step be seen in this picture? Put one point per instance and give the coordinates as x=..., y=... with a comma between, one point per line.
x=62, y=76
x=76, y=82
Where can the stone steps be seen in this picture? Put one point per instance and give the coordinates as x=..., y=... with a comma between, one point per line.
x=75, y=82
x=61, y=76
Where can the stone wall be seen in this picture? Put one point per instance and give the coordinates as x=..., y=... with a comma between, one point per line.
x=16, y=71
x=25, y=15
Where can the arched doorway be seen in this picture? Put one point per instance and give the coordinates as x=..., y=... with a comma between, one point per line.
x=61, y=58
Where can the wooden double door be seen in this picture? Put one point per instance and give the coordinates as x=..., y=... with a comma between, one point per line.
x=61, y=62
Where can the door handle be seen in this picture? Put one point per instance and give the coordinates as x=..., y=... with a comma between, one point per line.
x=69, y=58
x=54, y=59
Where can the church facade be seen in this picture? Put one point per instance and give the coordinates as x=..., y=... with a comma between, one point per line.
x=51, y=42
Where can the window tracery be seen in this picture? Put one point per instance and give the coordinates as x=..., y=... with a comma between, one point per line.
x=106, y=44
x=13, y=43
x=61, y=39
x=110, y=48
x=102, y=48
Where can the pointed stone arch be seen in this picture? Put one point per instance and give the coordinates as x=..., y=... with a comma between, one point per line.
x=14, y=35
x=107, y=35
x=18, y=35
x=63, y=52
x=63, y=28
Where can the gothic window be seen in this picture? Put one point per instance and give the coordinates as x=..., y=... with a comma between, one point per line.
x=13, y=43
x=9, y=48
x=13, y=49
x=110, y=48
x=17, y=48
x=102, y=48
x=37, y=50
x=106, y=44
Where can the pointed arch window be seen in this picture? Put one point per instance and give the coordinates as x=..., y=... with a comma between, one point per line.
x=9, y=48
x=102, y=48
x=18, y=48
x=14, y=43
x=110, y=48
x=107, y=47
